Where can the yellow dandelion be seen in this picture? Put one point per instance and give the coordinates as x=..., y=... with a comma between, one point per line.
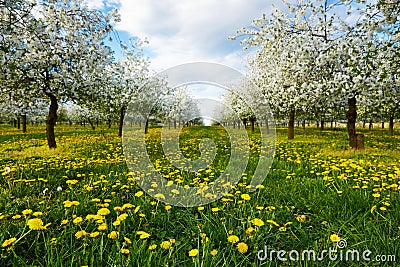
x=165, y=244
x=77, y=220
x=193, y=252
x=159, y=196
x=113, y=235
x=139, y=194
x=71, y=182
x=142, y=234
x=152, y=247
x=125, y=251
x=245, y=196
x=250, y=230
x=242, y=247
x=233, y=239
x=103, y=211
x=214, y=252
x=81, y=233
x=122, y=217
x=127, y=240
x=257, y=222
x=27, y=212
x=334, y=238
x=136, y=209
x=102, y=227
x=8, y=242
x=94, y=234
x=36, y=224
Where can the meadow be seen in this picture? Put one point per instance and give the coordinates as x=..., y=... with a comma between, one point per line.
x=79, y=205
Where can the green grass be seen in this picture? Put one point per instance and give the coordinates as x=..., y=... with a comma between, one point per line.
x=316, y=187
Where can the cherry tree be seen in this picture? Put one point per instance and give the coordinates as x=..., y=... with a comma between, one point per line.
x=63, y=54
x=181, y=106
x=310, y=57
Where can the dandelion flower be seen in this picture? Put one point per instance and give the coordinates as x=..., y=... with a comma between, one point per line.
x=335, y=238
x=139, y=194
x=214, y=252
x=233, y=239
x=27, y=212
x=122, y=217
x=143, y=235
x=81, y=233
x=246, y=196
x=113, y=235
x=152, y=247
x=125, y=251
x=242, y=247
x=94, y=234
x=8, y=242
x=165, y=244
x=193, y=252
x=36, y=224
x=127, y=240
x=258, y=222
x=103, y=211
x=77, y=220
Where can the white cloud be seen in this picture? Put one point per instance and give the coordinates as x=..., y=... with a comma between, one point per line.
x=191, y=30
x=95, y=4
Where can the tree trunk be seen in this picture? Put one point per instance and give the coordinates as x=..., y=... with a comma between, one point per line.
x=383, y=125
x=317, y=124
x=322, y=125
x=245, y=123
x=364, y=122
x=51, y=122
x=109, y=123
x=146, y=125
x=121, y=120
x=15, y=122
x=351, y=121
x=370, y=126
x=91, y=124
x=24, y=123
x=266, y=126
x=174, y=123
x=391, y=125
x=252, y=125
x=291, y=125
x=19, y=123
x=331, y=124
x=303, y=124
x=239, y=124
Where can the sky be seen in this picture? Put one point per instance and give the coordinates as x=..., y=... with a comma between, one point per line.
x=186, y=31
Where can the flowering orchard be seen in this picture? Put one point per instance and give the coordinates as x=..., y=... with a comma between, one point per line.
x=68, y=197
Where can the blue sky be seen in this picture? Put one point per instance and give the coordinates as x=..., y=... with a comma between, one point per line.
x=185, y=31
x=182, y=31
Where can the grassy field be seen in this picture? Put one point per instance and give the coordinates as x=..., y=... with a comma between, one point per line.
x=79, y=205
